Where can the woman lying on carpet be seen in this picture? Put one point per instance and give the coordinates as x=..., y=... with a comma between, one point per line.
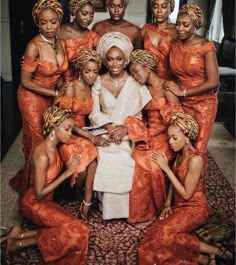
x=62, y=237
x=169, y=241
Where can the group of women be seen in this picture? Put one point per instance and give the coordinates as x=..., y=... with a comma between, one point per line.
x=140, y=117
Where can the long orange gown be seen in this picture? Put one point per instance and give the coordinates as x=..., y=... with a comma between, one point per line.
x=62, y=238
x=148, y=193
x=162, y=51
x=168, y=241
x=187, y=64
x=73, y=46
x=78, y=145
x=32, y=107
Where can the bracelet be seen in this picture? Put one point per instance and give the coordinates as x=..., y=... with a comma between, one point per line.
x=184, y=93
x=21, y=235
x=56, y=93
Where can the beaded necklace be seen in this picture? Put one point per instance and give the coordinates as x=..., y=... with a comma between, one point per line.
x=53, y=45
x=117, y=82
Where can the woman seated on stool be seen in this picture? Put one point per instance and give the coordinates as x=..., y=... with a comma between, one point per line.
x=169, y=241
x=116, y=96
x=62, y=237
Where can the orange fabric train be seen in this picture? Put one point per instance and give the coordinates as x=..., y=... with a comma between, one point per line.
x=187, y=64
x=32, y=106
x=148, y=193
x=162, y=51
x=73, y=46
x=78, y=145
x=62, y=238
x=168, y=241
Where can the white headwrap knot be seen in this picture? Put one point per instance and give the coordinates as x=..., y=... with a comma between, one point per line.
x=114, y=39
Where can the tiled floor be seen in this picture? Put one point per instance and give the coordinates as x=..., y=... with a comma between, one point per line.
x=221, y=147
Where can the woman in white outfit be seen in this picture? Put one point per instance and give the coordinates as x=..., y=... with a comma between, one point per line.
x=116, y=96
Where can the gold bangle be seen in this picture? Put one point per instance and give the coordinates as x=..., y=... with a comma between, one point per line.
x=56, y=93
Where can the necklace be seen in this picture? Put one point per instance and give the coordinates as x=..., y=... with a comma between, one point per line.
x=116, y=82
x=53, y=45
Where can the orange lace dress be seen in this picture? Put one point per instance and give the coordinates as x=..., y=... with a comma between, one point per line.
x=32, y=107
x=187, y=64
x=168, y=241
x=73, y=46
x=78, y=145
x=62, y=237
x=162, y=51
x=148, y=193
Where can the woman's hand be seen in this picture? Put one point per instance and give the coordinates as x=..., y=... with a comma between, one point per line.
x=67, y=86
x=173, y=87
x=100, y=141
x=72, y=164
x=165, y=212
x=117, y=134
x=160, y=159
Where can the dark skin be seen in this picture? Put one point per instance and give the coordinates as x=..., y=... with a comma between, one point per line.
x=115, y=62
x=161, y=10
x=48, y=22
x=186, y=32
x=181, y=143
x=116, y=22
x=79, y=26
x=42, y=158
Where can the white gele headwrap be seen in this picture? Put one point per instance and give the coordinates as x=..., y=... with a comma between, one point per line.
x=114, y=39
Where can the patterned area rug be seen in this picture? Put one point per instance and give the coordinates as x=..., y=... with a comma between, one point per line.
x=116, y=242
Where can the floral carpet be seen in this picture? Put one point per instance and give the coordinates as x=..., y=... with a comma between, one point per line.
x=116, y=242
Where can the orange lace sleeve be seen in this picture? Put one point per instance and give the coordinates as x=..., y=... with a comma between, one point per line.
x=208, y=47
x=136, y=129
x=30, y=64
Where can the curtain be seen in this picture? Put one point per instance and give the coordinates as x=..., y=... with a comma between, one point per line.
x=216, y=29
x=229, y=18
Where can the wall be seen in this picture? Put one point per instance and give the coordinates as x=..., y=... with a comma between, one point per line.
x=5, y=43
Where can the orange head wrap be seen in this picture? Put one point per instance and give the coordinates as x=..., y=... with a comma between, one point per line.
x=53, y=117
x=186, y=123
x=195, y=13
x=75, y=5
x=86, y=55
x=145, y=58
x=44, y=4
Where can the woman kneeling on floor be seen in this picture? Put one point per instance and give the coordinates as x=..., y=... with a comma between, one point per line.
x=62, y=238
x=169, y=241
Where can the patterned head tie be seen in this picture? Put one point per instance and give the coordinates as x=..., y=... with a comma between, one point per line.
x=53, y=117
x=75, y=5
x=145, y=58
x=126, y=2
x=114, y=39
x=195, y=13
x=86, y=55
x=186, y=123
x=41, y=5
x=172, y=5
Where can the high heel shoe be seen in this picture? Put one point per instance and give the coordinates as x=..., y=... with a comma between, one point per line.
x=81, y=210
